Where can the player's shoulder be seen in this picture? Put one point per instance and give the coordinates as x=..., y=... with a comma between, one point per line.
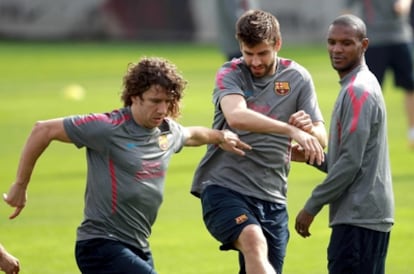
x=292, y=66
x=232, y=68
x=365, y=80
x=118, y=116
x=233, y=64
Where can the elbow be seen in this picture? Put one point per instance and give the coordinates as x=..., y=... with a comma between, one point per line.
x=39, y=126
x=237, y=119
x=42, y=131
x=237, y=123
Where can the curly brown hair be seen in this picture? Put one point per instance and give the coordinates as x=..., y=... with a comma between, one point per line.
x=257, y=26
x=151, y=71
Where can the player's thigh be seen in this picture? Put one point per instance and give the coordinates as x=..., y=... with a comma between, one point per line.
x=225, y=214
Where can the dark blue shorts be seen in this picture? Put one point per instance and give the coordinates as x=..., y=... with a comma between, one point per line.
x=104, y=256
x=227, y=212
x=398, y=58
x=357, y=250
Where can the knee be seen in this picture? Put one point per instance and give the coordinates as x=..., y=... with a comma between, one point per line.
x=252, y=240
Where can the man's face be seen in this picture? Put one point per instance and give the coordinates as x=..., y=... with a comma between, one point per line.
x=260, y=58
x=150, y=110
x=345, y=48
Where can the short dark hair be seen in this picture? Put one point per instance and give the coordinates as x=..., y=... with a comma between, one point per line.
x=257, y=26
x=353, y=21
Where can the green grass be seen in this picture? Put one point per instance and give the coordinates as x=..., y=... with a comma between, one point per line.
x=33, y=76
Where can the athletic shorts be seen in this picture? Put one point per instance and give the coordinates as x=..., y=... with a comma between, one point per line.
x=105, y=256
x=397, y=58
x=357, y=250
x=227, y=212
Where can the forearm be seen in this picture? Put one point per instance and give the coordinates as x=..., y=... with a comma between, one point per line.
x=239, y=116
x=319, y=131
x=198, y=136
x=249, y=120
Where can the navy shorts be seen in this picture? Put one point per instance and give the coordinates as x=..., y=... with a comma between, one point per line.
x=227, y=212
x=398, y=58
x=357, y=250
x=104, y=256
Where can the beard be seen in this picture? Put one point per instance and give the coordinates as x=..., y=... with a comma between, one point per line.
x=262, y=70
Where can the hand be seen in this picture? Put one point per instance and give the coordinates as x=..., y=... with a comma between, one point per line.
x=301, y=120
x=16, y=197
x=8, y=263
x=303, y=222
x=232, y=143
x=312, y=149
x=297, y=153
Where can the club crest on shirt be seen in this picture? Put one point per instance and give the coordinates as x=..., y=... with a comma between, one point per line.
x=282, y=88
x=163, y=142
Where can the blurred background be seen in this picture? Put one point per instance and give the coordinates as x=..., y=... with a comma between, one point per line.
x=155, y=20
x=45, y=73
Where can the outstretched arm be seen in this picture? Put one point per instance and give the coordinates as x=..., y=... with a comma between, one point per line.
x=42, y=134
x=227, y=140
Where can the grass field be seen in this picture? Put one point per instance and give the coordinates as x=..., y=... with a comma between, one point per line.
x=32, y=78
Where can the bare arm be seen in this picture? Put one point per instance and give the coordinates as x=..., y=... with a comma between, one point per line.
x=39, y=139
x=240, y=117
x=8, y=263
x=319, y=131
x=303, y=121
x=197, y=136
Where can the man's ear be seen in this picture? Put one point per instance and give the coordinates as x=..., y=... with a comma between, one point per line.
x=365, y=43
x=278, y=45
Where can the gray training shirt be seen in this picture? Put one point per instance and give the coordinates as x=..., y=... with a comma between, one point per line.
x=358, y=186
x=126, y=171
x=262, y=172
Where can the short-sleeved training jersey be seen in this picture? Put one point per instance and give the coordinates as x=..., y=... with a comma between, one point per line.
x=262, y=172
x=126, y=170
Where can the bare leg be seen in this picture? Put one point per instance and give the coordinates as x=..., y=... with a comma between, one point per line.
x=252, y=244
